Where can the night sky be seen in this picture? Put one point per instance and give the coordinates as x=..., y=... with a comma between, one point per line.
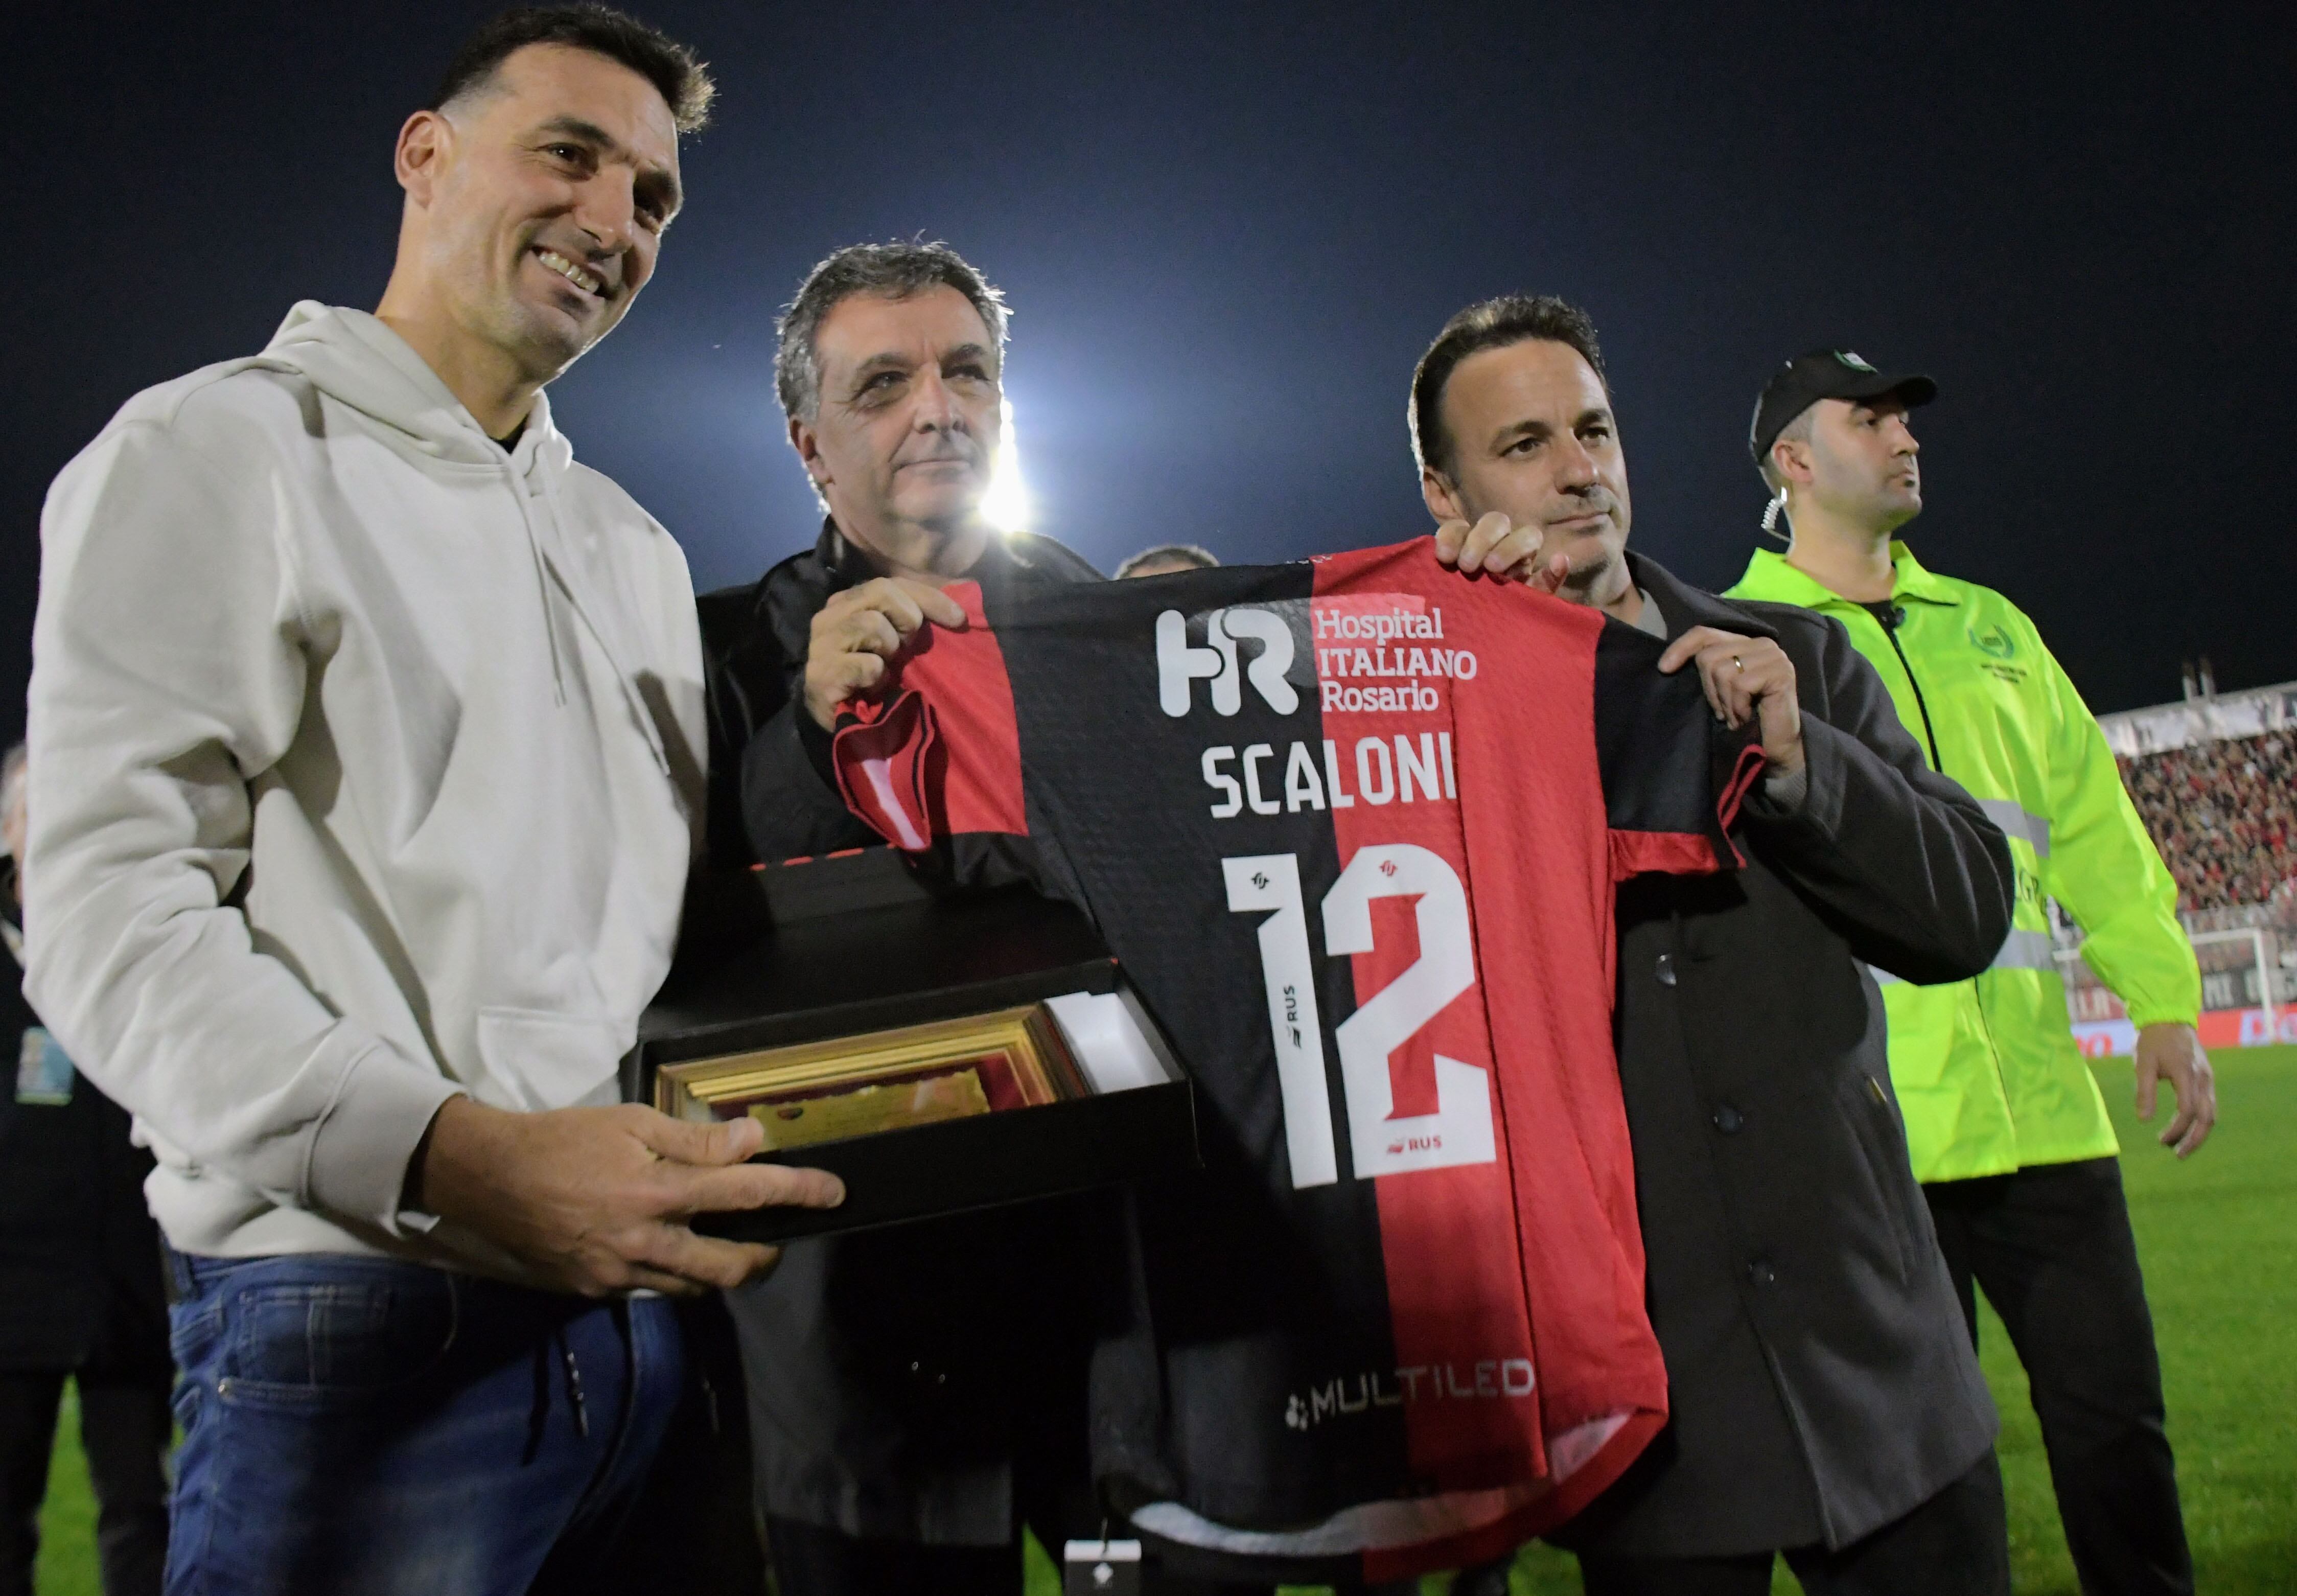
x=1227, y=232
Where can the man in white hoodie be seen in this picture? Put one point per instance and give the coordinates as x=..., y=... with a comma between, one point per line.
x=367, y=759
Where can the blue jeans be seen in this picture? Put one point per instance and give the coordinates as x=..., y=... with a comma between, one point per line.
x=368, y=1427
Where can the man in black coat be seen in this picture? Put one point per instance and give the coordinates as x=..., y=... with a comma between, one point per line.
x=915, y=1394
x=80, y=1293
x=1824, y=1404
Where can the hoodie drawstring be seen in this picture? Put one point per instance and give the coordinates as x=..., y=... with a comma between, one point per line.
x=639, y=706
x=541, y=578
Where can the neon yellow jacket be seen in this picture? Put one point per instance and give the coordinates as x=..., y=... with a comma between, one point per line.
x=1987, y=1070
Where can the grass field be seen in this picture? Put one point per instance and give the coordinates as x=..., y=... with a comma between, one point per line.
x=2219, y=1239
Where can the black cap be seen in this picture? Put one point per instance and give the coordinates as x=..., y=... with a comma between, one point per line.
x=1802, y=382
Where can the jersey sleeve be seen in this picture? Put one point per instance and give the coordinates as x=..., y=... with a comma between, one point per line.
x=1673, y=776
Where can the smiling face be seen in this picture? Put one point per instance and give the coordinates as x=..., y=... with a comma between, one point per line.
x=1532, y=436
x=537, y=205
x=902, y=440
x=1861, y=463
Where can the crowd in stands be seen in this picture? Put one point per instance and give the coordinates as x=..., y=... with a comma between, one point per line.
x=2224, y=815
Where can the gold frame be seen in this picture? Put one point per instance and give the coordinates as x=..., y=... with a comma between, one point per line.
x=1025, y=1039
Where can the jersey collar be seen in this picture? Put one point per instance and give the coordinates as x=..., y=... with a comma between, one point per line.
x=846, y=562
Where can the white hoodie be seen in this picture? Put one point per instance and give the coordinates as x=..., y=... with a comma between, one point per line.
x=367, y=763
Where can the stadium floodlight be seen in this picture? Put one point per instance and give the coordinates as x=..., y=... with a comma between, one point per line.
x=1005, y=504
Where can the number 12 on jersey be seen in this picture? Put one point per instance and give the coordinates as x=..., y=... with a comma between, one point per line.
x=1380, y=1141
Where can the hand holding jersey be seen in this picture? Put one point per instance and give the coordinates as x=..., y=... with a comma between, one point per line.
x=859, y=630
x=1745, y=678
x=1497, y=546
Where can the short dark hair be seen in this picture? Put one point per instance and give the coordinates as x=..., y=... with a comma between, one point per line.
x=1798, y=431
x=894, y=271
x=676, y=72
x=1193, y=556
x=1489, y=324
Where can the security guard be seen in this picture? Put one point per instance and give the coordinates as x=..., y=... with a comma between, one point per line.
x=2005, y=1125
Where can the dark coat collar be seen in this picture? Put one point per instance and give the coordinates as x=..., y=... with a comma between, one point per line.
x=841, y=556
x=1683, y=606
x=843, y=559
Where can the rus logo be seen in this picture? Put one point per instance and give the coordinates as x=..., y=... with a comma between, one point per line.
x=1179, y=664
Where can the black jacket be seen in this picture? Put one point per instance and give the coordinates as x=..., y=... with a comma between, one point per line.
x=1821, y=1381
x=896, y=1377
x=81, y=1279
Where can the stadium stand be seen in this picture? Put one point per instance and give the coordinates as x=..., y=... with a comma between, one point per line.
x=2215, y=778
x=2224, y=815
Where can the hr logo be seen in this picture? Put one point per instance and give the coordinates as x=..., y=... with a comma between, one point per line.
x=1180, y=664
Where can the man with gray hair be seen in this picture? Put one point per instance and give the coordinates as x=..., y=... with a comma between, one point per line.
x=891, y=1452
x=890, y=372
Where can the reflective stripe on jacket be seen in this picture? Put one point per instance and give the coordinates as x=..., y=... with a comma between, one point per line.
x=1987, y=1070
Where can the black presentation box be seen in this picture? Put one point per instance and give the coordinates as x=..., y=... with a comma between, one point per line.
x=854, y=945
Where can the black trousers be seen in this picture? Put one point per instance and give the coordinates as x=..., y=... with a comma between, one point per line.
x=126, y=1427
x=810, y=1560
x=1052, y=1488
x=1952, y=1545
x=2052, y=1248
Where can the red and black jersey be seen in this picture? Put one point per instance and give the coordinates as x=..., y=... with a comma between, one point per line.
x=1353, y=828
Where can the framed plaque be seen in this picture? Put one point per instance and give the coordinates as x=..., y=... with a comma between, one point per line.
x=937, y=1052
x=806, y=1092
